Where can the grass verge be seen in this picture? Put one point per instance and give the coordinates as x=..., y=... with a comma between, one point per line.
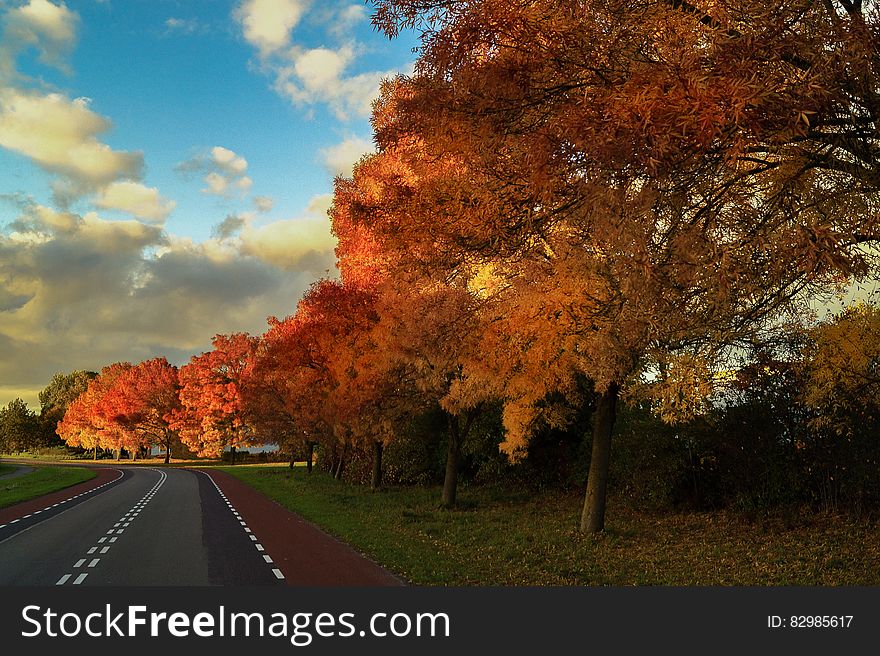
x=39, y=482
x=501, y=538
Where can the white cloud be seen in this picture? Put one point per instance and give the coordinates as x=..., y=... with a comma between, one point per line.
x=294, y=243
x=39, y=219
x=310, y=76
x=40, y=24
x=341, y=158
x=244, y=184
x=217, y=184
x=344, y=20
x=267, y=24
x=228, y=161
x=136, y=199
x=223, y=168
x=60, y=135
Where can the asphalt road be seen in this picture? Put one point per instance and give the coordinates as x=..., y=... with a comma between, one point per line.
x=144, y=527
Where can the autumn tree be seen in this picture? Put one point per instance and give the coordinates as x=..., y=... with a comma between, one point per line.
x=144, y=400
x=212, y=415
x=90, y=419
x=427, y=336
x=686, y=175
x=319, y=369
x=842, y=369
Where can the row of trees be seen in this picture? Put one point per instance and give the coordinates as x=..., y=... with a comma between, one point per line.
x=22, y=429
x=625, y=192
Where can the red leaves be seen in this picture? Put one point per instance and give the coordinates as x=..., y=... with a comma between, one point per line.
x=212, y=413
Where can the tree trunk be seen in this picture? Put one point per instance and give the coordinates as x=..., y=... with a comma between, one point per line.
x=118, y=454
x=376, y=482
x=453, y=457
x=167, y=449
x=96, y=452
x=292, y=461
x=593, y=515
x=232, y=451
x=340, y=465
x=310, y=457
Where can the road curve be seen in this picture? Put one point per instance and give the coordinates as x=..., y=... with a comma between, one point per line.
x=144, y=526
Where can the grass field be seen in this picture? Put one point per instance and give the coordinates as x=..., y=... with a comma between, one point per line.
x=39, y=482
x=6, y=469
x=499, y=538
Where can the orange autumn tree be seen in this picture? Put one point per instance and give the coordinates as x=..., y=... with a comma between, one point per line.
x=316, y=373
x=674, y=178
x=296, y=389
x=213, y=415
x=428, y=333
x=144, y=400
x=90, y=421
x=266, y=395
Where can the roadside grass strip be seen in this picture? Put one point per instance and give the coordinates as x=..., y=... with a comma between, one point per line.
x=41, y=481
x=124, y=522
x=61, y=503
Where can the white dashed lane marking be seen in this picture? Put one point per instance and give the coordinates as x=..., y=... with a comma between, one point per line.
x=123, y=521
x=259, y=547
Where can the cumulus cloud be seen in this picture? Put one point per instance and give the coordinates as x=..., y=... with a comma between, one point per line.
x=341, y=158
x=82, y=291
x=138, y=200
x=60, y=135
x=308, y=76
x=303, y=242
x=224, y=171
x=49, y=28
x=228, y=161
x=39, y=219
x=267, y=24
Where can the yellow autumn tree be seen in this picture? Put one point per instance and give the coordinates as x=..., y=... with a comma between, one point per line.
x=842, y=369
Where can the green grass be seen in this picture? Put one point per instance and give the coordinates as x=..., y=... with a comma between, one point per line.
x=39, y=482
x=6, y=469
x=518, y=539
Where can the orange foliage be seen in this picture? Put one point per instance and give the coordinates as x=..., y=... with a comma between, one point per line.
x=212, y=413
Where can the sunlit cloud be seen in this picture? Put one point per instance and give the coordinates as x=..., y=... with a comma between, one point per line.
x=223, y=169
x=60, y=136
x=267, y=24
x=49, y=28
x=303, y=242
x=78, y=292
x=310, y=76
x=341, y=158
x=138, y=200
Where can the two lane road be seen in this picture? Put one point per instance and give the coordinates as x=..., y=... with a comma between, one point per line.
x=143, y=527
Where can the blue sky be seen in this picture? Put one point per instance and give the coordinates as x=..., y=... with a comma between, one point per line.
x=167, y=167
